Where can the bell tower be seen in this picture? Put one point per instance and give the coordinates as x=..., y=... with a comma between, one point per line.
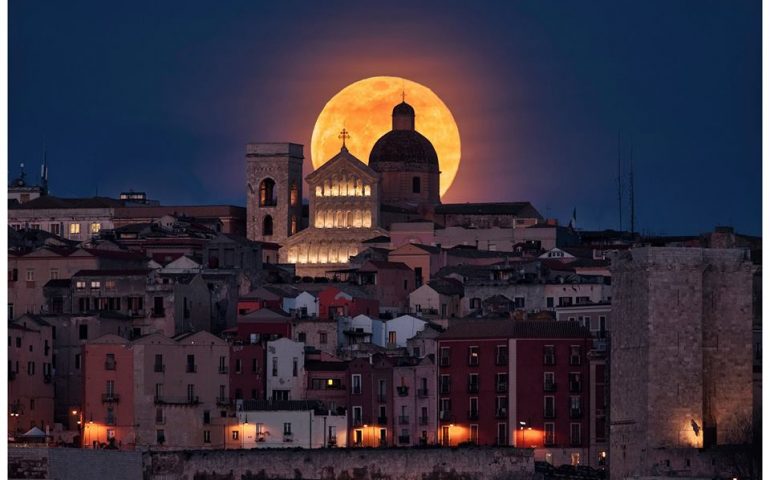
x=273, y=191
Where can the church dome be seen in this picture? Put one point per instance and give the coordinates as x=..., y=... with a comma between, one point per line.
x=404, y=150
x=403, y=108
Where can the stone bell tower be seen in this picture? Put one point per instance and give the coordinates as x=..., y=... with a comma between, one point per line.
x=273, y=191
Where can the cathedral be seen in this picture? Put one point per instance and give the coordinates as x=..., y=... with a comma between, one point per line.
x=350, y=201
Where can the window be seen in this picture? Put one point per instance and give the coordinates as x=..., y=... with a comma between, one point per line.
x=267, y=193
x=445, y=383
x=475, y=303
x=473, y=356
x=574, y=383
x=158, y=415
x=302, y=337
x=191, y=398
x=109, y=362
x=501, y=355
x=235, y=434
x=83, y=332
x=293, y=194
x=294, y=366
x=473, y=413
x=55, y=229
x=74, y=229
x=549, y=384
x=518, y=302
x=159, y=391
x=267, y=225
x=254, y=365
x=80, y=285
x=30, y=275
x=238, y=366
x=473, y=383
x=287, y=428
x=356, y=381
x=191, y=364
x=574, y=434
x=10, y=311
x=415, y=184
x=550, y=434
x=54, y=274
x=158, y=366
x=574, y=355
x=474, y=435
x=206, y=417
x=357, y=412
x=574, y=407
x=77, y=361
x=275, y=366
x=322, y=338
x=549, y=355
x=96, y=227
x=160, y=436
x=549, y=410
x=392, y=338
x=502, y=382
x=96, y=284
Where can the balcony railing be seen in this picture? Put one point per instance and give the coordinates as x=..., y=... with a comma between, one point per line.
x=501, y=413
x=110, y=397
x=403, y=420
x=403, y=391
x=575, y=387
x=382, y=420
x=444, y=361
x=549, y=386
x=473, y=387
x=473, y=414
x=445, y=388
x=188, y=400
x=223, y=401
x=550, y=414
x=575, y=412
x=110, y=365
x=501, y=360
x=222, y=369
x=502, y=387
x=159, y=368
x=422, y=393
x=423, y=420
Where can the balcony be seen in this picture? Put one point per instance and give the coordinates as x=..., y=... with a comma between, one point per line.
x=403, y=439
x=191, y=368
x=445, y=388
x=165, y=400
x=575, y=413
x=473, y=361
x=574, y=360
x=223, y=401
x=501, y=413
x=110, y=397
x=501, y=360
x=549, y=359
x=159, y=368
x=502, y=387
x=403, y=391
x=549, y=387
x=423, y=420
x=444, y=362
x=549, y=414
x=222, y=369
x=358, y=422
x=382, y=398
x=422, y=393
x=473, y=387
x=445, y=416
x=382, y=420
x=403, y=420
x=473, y=414
x=575, y=387
x=110, y=365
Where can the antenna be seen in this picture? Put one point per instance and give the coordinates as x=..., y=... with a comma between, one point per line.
x=631, y=186
x=620, y=187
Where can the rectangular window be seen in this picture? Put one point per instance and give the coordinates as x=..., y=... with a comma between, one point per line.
x=77, y=361
x=191, y=367
x=501, y=382
x=74, y=229
x=550, y=434
x=275, y=366
x=158, y=415
x=54, y=274
x=392, y=338
x=549, y=407
x=83, y=332
x=160, y=437
x=474, y=435
x=158, y=365
x=55, y=229
x=254, y=365
x=96, y=227
x=30, y=275
x=575, y=410
x=575, y=355
x=206, y=417
x=207, y=436
x=549, y=302
x=473, y=383
x=444, y=360
x=357, y=418
x=322, y=338
x=473, y=356
x=518, y=302
x=294, y=366
x=235, y=434
x=238, y=365
x=574, y=434
x=96, y=284
x=445, y=384
x=355, y=380
x=287, y=428
x=501, y=355
x=549, y=355
x=575, y=385
x=109, y=362
x=80, y=285
x=415, y=184
x=191, y=398
x=549, y=384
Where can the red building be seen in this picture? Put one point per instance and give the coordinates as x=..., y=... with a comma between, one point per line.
x=370, y=405
x=522, y=383
x=327, y=381
x=345, y=300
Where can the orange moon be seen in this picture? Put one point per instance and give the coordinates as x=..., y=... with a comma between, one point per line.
x=364, y=109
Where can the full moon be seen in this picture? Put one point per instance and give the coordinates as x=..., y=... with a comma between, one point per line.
x=364, y=109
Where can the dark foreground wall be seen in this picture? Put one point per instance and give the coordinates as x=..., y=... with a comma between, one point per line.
x=331, y=464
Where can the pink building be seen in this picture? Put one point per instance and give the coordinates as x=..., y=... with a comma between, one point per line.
x=389, y=282
x=425, y=260
x=345, y=300
x=30, y=386
x=156, y=391
x=415, y=401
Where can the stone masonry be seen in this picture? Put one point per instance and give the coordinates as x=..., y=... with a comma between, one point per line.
x=681, y=376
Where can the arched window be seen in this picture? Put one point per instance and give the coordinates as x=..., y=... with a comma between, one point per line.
x=319, y=219
x=293, y=194
x=339, y=220
x=335, y=186
x=323, y=252
x=329, y=223
x=349, y=219
x=367, y=218
x=359, y=188
x=367, y=190
x=267, y=197
x=352, y=186
x=327, y=189
x=333, y=253
x=343, y=187
x=293, y=224
x=319, y=191
x=357, y=219
x=415, y=184
x=267, y=225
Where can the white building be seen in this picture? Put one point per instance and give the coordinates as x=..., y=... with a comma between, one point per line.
x=401, y=329
x=305, y=304
x=285, y=369
x=287, y=424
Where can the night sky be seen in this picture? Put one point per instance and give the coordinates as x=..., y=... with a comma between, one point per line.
x=162, y=96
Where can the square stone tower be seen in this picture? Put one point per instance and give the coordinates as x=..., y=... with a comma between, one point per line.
x=681, y=358
x=273, y=190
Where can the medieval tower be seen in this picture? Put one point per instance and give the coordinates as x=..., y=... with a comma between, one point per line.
x=274, y=191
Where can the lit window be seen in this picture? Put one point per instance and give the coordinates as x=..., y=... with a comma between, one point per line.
x=109, y=284
x=30, y=275
x=95, y=227
x=74, y=228
x=96, y=284
x=80, y=285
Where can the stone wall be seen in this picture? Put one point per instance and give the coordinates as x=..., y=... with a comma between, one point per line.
x=322, y=464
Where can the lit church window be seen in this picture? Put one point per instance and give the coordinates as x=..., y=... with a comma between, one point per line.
x=339, y=220
x=333, y=253
x=357, y=219
x=335, y=186
x=267, y=197
x=327, y=189
x=323, y=253
x=319, y=191
x=293, y=255
x=367, y=218
x=319, y=219
x=349, y=219
x=313, y=254
x=293, y=195
x=343, y=187
x=352, y=186
x=359, y=188
x=367, y=190
x=329, y=223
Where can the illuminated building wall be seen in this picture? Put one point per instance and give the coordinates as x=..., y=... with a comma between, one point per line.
x=681, y=356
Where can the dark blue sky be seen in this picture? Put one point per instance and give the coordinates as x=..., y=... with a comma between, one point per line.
x=162, y=96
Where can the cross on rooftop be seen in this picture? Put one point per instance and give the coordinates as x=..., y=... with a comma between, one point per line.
x=344, y=135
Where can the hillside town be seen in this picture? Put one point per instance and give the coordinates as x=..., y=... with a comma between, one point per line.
x=372, y=315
